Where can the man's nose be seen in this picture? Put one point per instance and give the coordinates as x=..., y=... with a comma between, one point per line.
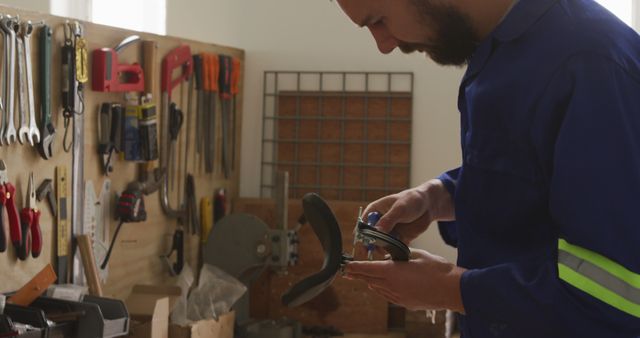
x=385, y=41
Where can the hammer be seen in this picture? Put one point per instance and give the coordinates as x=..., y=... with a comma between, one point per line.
x=46, y=189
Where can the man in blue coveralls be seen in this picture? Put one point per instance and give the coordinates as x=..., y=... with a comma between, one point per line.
x=544, y=207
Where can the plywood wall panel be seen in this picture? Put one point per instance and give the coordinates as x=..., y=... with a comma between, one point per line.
x=136, y=254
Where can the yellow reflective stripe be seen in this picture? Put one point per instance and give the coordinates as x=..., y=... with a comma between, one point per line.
x=597, y=291
x=602, y=262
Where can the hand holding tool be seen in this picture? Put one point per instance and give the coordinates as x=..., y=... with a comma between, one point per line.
x=30, y=220
x=7, y=201
x=366, y=233
x=45, y=147
x=111, y=76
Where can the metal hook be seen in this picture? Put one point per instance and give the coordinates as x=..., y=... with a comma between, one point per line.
x=68, y=33
x=78, y=29
x=28, y=26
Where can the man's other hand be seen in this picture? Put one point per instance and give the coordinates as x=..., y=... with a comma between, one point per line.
x=425, y=282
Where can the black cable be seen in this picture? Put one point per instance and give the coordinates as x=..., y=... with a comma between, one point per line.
x=113, y=241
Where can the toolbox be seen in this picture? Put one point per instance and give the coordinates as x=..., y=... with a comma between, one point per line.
x=92, y=317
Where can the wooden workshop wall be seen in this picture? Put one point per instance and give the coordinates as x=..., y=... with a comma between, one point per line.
x=135, y=257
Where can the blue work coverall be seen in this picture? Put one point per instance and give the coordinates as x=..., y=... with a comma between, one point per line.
x=547, y=197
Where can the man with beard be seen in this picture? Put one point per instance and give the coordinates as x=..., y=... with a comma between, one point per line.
x=543, y=207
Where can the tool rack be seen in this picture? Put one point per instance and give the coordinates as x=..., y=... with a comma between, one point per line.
x=136, y=255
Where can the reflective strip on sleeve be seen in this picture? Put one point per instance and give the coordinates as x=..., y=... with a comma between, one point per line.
x=599, y=277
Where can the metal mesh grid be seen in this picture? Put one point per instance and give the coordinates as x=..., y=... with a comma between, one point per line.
x=345, y=135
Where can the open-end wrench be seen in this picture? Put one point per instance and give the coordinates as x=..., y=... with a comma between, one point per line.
x=23, y=132
x=8, y=24
x=34, y=133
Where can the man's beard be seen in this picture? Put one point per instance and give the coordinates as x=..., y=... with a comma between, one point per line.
x=455, y=40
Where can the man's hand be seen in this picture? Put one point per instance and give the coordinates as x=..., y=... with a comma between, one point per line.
x=425, y=282
x=409, y=212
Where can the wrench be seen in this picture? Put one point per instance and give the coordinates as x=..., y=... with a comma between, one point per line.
x=4, y=61
x=8, y=24
x=23, y=132
x=34, y=132
x=45, y=147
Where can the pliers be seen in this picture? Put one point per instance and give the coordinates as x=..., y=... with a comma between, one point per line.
x=30, y=223
x=7, y=195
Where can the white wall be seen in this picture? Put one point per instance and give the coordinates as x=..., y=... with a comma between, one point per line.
x=316, y=35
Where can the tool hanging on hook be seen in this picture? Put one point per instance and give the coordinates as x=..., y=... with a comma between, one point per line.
x=111, y=76
x=45, y=147
x=179, y=58
x=110, y=122
x=9, y=26
x=74, y=75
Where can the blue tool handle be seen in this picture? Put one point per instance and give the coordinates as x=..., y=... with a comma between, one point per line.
x=373, y=218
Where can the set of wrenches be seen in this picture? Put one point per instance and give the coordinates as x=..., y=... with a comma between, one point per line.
x=17, y=49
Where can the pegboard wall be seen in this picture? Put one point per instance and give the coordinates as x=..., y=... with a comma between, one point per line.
x=135, y=257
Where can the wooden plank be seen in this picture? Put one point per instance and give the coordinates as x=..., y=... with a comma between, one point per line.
x=347, y=305
x=135, y=257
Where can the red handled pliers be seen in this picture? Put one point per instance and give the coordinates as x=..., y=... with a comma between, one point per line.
x=7, y=201
x=30, y=222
